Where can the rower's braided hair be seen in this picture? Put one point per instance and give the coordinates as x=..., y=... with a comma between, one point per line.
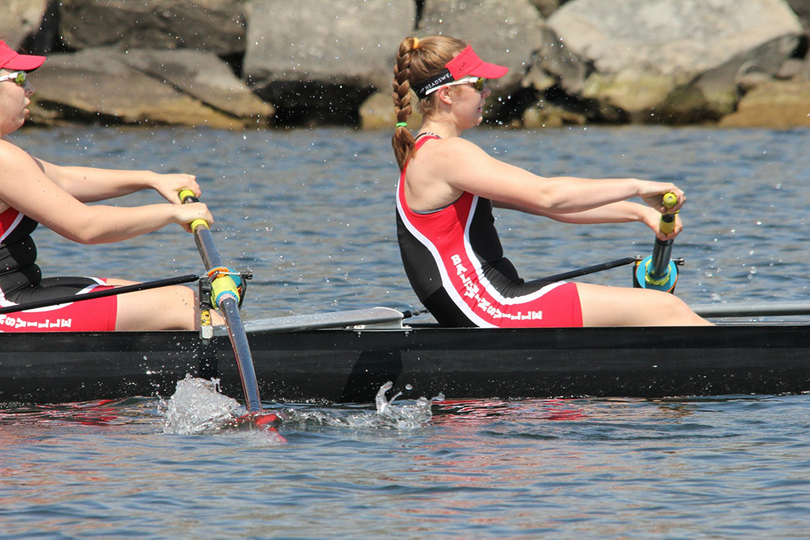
x=417, y=59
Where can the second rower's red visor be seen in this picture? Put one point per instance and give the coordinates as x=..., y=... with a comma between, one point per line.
x=464, y=64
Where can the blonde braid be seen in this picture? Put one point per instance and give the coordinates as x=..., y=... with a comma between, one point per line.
x=403, y=141
x=417, y=59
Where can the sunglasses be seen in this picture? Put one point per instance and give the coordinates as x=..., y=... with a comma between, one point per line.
x=478, y=83
x=18, y=77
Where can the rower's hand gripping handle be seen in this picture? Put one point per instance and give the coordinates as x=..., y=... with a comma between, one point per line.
x=667, y=223
x=659, y=271
x=187, y=196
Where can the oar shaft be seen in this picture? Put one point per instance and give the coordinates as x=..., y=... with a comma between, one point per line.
x=662, y=250
x=228, y=303
x=241, y=350
x=661, y=255
x=207, y=248
x=124, y=289
x=588, y=270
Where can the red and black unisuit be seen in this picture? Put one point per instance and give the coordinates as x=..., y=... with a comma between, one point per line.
x=21, y=282
x=454, y=260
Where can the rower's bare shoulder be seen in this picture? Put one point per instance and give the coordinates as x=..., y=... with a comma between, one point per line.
x=456, y=144
x=8, y=150
x=13, y=157
x=454, y=151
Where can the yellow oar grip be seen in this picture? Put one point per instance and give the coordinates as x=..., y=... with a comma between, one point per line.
x=667, y=223
x=187, y=194
x=198, y=223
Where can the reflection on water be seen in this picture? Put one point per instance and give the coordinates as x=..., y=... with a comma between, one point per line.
x=592, y=468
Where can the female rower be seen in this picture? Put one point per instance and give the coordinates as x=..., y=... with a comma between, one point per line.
x=34, y=191
x=448, y=185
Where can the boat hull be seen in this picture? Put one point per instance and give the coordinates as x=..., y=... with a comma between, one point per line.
x=350, y=365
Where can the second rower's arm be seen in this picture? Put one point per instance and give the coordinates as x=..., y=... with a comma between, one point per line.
x=620, y=212
x=466, y=167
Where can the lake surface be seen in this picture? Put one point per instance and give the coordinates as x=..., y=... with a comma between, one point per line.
x=311, y=213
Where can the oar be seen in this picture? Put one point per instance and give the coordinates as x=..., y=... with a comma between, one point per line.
x=587, y=270
x=226, y=298
x=752, y=310
x=100, y=294
x=659, y=271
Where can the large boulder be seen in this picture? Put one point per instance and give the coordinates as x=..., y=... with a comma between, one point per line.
x=29, y=25
x=203, y=25
x=546, y=7
x=506, y=32
x=802, y=9
x=674, y=61
x=774, y=104
x=318, y=61
x=102, y=86
x=204, y=77
x=377, y=112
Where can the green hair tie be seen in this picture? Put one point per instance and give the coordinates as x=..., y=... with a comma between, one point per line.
x=402, y=124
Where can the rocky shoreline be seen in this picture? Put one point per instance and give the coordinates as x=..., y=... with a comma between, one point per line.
x=240, y=64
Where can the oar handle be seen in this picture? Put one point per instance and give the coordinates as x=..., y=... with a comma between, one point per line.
x=667, y=223
x=659, y=271
x=187, y=196
x=659, y=267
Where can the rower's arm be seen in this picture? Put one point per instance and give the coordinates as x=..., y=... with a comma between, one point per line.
x=25, y=187
x=466, y=167
x=89, y=184
x=620, y=212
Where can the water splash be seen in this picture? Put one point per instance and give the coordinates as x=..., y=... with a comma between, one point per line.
x=388, y=415
x=197, y=406
x=403, y=416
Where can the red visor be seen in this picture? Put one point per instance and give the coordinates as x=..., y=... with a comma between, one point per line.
x=466, y=63
x=18, y=62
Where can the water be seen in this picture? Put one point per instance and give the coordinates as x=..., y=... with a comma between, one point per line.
x=311, y=213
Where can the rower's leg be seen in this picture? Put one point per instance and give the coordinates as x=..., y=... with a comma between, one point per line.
x=166, y=308
x=621, y=306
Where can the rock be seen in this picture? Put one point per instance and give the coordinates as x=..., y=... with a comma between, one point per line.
x=802, y=9
x=321, y=60
x=203, y=25
x=775, y=104
x=569, y=70
x=202, y=76
x=99, y=86
x=545, y=115
x=791, y=68
x=506, y=32
x=29, y=25
x=679, y=60
x=318, y=61
x=803, y=70
x=546, y=7
x=377, y=112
